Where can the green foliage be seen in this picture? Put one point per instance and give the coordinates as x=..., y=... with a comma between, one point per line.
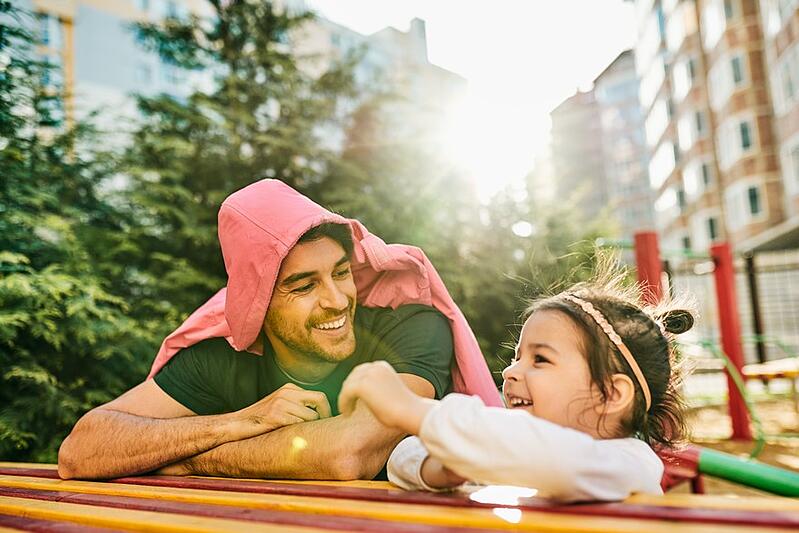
x=264, y=117
x=66, y=341
x=93, y=276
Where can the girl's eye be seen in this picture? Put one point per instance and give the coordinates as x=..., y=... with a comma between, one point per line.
x=541, y=359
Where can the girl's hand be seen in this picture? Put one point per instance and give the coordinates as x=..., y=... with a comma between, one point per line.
x=438, y=476
x=379, y=386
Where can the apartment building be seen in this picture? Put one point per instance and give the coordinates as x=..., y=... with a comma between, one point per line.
x=715, y=138
x=578, y=157
x=780, y=30
x=99, y=63
x=624, y=148
x=392, y=62
x=598, y=150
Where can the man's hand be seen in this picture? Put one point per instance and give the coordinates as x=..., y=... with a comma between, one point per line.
x=379, y=386
x=287, y=405
x=145, y=429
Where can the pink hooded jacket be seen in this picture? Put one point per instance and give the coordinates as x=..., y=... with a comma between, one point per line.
x=259, y=224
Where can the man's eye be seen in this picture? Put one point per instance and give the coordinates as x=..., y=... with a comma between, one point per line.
x=343, y=273
x=303, y=289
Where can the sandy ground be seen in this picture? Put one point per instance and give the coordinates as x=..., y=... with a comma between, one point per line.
x=711, y=427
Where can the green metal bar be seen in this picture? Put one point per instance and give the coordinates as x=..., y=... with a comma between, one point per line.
x=749, y=472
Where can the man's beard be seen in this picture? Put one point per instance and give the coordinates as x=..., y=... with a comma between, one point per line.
x=299, y=339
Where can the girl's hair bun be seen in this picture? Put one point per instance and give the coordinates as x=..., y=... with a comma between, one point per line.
x=677, y=320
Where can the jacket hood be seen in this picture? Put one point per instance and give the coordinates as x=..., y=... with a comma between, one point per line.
x=260, y=224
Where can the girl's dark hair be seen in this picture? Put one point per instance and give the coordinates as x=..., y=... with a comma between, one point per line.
x=639, y=327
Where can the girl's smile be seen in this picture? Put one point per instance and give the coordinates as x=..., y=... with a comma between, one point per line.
x=549, y=377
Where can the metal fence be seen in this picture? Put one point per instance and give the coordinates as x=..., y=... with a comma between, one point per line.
x=776, y=278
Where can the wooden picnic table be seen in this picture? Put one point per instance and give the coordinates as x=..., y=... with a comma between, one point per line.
x=787, y=368
x=33, y=498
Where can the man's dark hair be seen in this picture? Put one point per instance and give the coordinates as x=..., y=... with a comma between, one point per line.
x=338, y=232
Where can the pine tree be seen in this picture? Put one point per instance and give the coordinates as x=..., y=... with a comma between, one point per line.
x=265, y=116
x=66, y=341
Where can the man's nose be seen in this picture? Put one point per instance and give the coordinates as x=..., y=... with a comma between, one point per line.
x=333, y=298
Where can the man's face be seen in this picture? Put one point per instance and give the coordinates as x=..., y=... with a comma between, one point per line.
x=312, y=308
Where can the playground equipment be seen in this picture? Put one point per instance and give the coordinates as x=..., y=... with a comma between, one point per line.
x=690, y=463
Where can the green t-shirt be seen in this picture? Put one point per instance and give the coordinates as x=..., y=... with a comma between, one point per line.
x=211, y=377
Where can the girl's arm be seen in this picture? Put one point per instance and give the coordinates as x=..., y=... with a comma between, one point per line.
x=410, y=467
x=497, y=446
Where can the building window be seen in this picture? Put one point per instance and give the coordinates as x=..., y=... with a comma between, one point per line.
x=699, y=122
x=706, y=176
x=790, y=164
x=661, y=164
x=681, y=203
x=753, y=194
x=726, y=75
x=690, y=128
x=785, y=80
x=656, y=122
x=734, y=137
x=50, y=31
x=745, y=203
x=746, y=138
x=714, y=21
x=729, y=12
x=686, y=243
x=737, y=70
x=684, y=77
x=712, y=229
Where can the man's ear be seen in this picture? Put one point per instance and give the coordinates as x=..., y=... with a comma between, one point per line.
x=621, y=394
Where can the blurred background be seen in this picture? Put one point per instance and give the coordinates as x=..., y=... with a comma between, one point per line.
x=512, y=141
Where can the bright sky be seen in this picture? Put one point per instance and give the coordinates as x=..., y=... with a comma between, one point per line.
x=521, y=58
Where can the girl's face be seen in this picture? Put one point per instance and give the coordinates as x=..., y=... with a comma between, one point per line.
x=549, y=377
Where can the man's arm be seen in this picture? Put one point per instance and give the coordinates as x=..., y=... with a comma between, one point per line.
x=145, y=429
x=355, y=446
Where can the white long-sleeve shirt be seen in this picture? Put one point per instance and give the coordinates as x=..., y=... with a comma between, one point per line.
x=495, y=446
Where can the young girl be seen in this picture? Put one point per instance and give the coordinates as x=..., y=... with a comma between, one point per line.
x=591, y=387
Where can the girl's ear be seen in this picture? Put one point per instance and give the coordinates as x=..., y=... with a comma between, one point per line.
x=621, y=394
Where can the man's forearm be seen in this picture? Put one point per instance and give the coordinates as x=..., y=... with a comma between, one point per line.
x=342, y=447
x=107, y=443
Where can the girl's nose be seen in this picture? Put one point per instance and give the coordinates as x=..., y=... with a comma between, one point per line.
x=509, y=373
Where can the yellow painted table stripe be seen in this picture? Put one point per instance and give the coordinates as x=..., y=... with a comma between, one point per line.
x=710, y=501
x=505, y=519
x=689, y=501
x=91, y=515
x=47, y=466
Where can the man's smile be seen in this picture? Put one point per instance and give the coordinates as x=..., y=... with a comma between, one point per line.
x=333, y=324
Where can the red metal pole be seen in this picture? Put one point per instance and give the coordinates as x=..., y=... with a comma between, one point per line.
x=647, y=258
x=730, y=325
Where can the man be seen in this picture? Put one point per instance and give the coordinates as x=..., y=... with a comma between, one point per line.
x=295, y=272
